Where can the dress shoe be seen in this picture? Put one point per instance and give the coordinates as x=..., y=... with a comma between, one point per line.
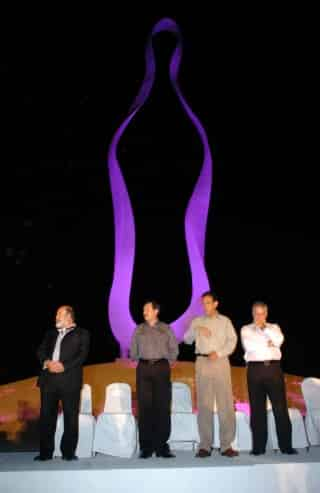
x=290, y=451
x=42, y=458
x=69, y=458
x=230, y=453
x=145, y=454
x=257, y=452
x=202, y=453
x=167, y=454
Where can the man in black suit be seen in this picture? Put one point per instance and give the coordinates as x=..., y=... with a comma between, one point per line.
x=61, y=354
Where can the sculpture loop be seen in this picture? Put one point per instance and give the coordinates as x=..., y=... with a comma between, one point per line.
x=121, y=322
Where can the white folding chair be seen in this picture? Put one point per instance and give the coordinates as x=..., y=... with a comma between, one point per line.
x=116, y=429
x=299, y=437
x=184, y=429
x=311, y=394
x=86, y=426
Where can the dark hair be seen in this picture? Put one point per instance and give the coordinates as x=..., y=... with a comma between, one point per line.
x=155, y=305
x=69, y=310
x=262, y=304
x=212, y=295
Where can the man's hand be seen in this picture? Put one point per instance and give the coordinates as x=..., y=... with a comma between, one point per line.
x=204, y=331
x=213, y=356
x=49, y=364
x=55, y=367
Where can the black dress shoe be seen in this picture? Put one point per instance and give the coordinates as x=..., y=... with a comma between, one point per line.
x=166, y=454
x=257, y=452
x=202, y=453
x=69, y=457
x=290, y=451
x=42, y=458
x=145, y=454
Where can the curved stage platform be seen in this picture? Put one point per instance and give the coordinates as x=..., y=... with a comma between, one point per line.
x=272, y=473
x=20, y=401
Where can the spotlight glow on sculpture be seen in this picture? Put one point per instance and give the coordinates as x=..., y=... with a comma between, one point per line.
x=120, y=318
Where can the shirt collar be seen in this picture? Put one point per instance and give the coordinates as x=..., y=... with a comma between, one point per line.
x=69, y=329
x=155, y=326
x=260, y=328
x=217, y=315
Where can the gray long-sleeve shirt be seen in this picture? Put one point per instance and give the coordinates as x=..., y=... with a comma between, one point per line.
x=154, y=342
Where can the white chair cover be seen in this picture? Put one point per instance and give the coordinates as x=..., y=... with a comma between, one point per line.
x=118, y=399
x=116, y=435
x=184, y=427
x=313, y=427
x=243, y=439
x=86, y=400
x=86, y=435
x=181, y=398
x=299, y=437
x=311, y=393
x=116, y=429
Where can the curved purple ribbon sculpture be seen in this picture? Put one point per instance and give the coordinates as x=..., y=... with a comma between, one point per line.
x=121, y=322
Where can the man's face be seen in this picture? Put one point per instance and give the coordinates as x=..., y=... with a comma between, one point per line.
x=62, y=319
x=209, y=305
x=260, y=314
x=149, y=313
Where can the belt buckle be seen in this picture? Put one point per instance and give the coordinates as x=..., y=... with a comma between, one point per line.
x=266, y=363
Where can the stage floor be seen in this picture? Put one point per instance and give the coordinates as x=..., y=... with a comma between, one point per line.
x=270, y=473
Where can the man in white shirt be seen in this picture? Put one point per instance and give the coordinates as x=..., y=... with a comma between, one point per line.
x=261, y=341
x=215, y=340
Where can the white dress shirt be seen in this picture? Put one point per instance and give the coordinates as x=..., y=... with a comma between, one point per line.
x=56, y=351
x=255, y=342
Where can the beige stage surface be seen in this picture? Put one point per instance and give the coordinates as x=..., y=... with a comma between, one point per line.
x=19, y=401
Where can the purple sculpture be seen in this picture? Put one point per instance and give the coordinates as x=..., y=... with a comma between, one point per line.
x=121, y=322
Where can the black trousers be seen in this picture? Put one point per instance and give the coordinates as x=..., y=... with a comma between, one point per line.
x=268, y=381
x=154, y=405
x=48, y=419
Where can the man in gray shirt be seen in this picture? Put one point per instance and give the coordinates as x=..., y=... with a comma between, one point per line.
x=215, y=340
x=154, y=346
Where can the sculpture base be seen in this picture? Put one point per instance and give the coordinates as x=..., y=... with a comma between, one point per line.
x=20, y=401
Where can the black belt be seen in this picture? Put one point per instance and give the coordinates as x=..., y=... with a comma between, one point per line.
x=204, y=355
x=152, y=361
x=265, y=363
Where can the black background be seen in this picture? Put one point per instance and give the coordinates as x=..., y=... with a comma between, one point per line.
x=67, y=83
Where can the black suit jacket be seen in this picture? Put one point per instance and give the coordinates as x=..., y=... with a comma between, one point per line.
x=73, y=353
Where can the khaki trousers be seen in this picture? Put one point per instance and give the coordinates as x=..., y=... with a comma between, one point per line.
x=213, y=382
